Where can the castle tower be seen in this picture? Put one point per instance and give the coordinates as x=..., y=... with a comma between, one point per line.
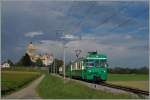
x=31, y=51
x=46, y=58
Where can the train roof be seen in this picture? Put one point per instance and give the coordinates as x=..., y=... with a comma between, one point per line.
x=92, y=55
x=96, y=56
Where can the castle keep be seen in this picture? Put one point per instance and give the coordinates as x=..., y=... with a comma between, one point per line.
x=47, y=59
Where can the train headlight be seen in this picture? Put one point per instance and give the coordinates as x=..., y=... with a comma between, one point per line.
x=89, y=71
x=103, y=71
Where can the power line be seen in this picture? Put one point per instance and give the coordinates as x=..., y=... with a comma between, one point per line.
x=86, y=15
x=107, y=19
x=121, y=24
x=87, y=11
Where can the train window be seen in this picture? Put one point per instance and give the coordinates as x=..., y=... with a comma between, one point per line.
x=80, y=65
x=97, y=63
x=71, y=67
x=103, y=63
x=90, y=63
x=76, y=66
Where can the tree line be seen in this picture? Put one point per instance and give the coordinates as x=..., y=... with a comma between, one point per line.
x=25, y=61
x=54, y=67
x=120, y=70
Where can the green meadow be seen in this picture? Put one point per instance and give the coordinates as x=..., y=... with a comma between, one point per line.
x=140, y=81
x=53, y=87
x=128, y=77
x=14, y=79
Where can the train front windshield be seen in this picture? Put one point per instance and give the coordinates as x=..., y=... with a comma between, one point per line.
x=103, y=63
x=90, y=63
x=96, y=63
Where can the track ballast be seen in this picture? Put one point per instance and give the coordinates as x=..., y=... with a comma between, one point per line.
x=129, y=89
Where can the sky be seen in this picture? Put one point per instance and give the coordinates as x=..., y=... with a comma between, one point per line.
x=119, y=29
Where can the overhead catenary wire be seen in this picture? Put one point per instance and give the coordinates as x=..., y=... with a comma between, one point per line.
x=108, y=18
x=85, y=15
x=119, y=25
x=88, y=13
x=128, y=20
x=81, y=21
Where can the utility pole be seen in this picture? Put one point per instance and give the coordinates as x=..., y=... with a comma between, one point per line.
x=51, y=68
x=65, y=38
x=64, y=53
x=54, y=64
x=56, y=34
x=64, y=63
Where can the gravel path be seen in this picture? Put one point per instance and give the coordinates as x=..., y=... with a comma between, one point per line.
x=28, y=92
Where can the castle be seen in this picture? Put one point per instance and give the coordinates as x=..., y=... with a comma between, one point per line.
x=47, y=59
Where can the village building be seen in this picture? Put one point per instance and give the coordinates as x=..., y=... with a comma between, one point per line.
x=5, y=65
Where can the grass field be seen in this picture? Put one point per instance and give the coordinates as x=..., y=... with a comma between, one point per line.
x=131, y=80
x=22, y=68
x=53, y=87
x=128, y=77
x=12, y=80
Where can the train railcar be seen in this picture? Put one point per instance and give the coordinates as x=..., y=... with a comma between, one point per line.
x=93, y=67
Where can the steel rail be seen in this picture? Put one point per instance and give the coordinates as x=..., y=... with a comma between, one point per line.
x=129, y=89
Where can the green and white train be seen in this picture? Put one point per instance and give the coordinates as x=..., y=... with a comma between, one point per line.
x=93, y=67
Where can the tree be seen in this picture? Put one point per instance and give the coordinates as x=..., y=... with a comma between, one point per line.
x=39, y=62
x=10, y=62
x=144, y=70
x=55, y=65
x=58, y=63
x=25, y=60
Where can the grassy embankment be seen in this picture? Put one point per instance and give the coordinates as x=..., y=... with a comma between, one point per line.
x=53, y=87
x=13, y=79
x=140, y=81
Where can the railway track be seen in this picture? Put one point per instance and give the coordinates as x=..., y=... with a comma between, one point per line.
x=129, y=89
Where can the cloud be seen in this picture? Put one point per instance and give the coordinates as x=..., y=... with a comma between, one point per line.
x=118, y=47
x=33, y=34
x=19, y=48
x=50, y=46
x=128, y=37
x=92, y=20
x=70, y=37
